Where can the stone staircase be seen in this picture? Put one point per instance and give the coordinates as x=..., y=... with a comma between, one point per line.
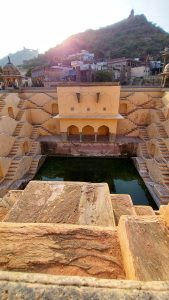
x=163, y=149
x=34, y=165
x=12, y=169
x=18, y=128
x=2, y=104
x=162, y=131
x=14, y=148
x=143, y=169
x=35, y=132
x=164, y=173
x=34, y=148
x=20, y=115
x=144, y=151
x=143, y=133
x=161, y=116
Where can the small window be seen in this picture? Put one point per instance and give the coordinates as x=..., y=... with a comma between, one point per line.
x=88, y=109
x=72, y=108
x=104, y=108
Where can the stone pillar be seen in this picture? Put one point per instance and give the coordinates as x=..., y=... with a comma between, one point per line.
x=80, y=137
x=95, y=137
x=64, y=136
x=112, y=137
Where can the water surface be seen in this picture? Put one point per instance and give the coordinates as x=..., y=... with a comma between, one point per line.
x=120, y=174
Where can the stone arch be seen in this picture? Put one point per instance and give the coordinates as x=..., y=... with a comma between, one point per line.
x=123, y=108
x=11, y=112
x=103, y=130
x=88, y=133
x=88, y=130
x=73, y=130
x=25, y=147
x=54, y=108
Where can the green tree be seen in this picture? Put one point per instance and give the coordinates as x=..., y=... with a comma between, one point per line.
x=102, y=76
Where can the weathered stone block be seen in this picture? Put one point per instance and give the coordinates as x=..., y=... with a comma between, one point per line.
x=144, y=244
x=61, y=249
x=122, y=205
x=64, y=202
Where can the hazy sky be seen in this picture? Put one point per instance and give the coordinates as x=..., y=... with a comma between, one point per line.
x=42, y=24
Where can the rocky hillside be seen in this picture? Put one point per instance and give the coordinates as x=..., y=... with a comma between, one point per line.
x=132, y=37
x=19, y=57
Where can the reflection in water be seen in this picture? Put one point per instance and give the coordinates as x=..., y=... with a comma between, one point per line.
x=120, y=174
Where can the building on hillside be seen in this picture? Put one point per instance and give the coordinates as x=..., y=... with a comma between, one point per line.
x=121, y=68
x=85, y=71
x=156, y=67
x=140, y=71
x=49, y=76
x=83, y=55
x=11, y=76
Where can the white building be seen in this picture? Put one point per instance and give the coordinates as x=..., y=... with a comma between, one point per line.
x=140, y=71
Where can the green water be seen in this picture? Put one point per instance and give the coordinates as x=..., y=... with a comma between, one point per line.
x=120, y=174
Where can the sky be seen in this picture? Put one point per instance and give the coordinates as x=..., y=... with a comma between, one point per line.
x=42, y=24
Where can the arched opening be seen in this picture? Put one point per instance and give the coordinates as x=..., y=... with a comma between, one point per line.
x=54, y=109
x=25, y=148
x=10, y=112
x=73, y=132
x=88, y=133
x=152, y=149
x=123, y=108
x=103, y=133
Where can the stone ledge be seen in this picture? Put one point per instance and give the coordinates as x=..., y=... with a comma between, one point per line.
x=15, y=285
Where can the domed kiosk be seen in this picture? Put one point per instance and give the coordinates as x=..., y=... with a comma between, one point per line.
x=11, y=75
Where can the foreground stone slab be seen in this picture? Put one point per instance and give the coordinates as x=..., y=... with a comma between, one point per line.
x=122, y=205
x=64, y=202
x=61, y=249
x=15, y=285
x=144, y=210
x=145, y=247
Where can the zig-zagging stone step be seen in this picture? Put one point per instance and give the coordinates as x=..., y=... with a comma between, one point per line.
x=144, y=244
x=122, y=205
x=64, y=202
x=61, y=249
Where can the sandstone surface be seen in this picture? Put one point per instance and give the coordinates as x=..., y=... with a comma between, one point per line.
x=63, y=202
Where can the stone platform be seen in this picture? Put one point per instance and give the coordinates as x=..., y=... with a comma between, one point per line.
x=73, y=240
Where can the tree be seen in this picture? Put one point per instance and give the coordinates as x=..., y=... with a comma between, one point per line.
x=102, y=76
x=29, y=73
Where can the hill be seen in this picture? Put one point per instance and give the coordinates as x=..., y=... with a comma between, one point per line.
x=19, y=57
x=132, y=37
